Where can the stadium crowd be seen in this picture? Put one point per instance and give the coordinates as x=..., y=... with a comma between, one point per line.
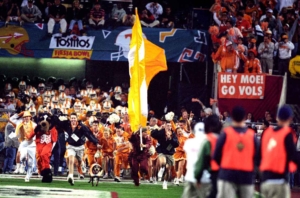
x=248, y=36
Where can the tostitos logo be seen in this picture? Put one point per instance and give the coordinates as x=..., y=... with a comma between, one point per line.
x=71, y=42
x=123, y=41
x=12, y=39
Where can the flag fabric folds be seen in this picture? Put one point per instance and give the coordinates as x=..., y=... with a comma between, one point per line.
x=145, y=61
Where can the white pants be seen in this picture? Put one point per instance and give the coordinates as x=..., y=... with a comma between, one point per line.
x=92, y=22
x=27, y=152
x=154, y=23
x=62, y=22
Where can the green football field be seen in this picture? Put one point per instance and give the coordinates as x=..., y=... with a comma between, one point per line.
x=124, y=190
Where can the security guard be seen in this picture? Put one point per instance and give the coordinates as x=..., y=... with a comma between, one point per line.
x=235, y=153
x=277, y=151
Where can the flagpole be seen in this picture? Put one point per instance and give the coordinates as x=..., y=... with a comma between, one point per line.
x=141, y=138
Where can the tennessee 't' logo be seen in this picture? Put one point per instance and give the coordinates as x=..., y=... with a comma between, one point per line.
x=12, y=39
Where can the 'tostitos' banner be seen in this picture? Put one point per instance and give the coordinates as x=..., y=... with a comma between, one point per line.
x=31, y=40
x=241, y=86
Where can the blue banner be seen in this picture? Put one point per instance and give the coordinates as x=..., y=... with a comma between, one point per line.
x=31, y=40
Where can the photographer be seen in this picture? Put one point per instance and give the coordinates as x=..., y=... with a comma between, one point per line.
x=13, y=13
x=128, y=19
x=285, y=48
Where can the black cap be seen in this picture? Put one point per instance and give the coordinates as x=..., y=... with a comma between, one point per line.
x=284, y=113
x=238, y=114
x=31, y=1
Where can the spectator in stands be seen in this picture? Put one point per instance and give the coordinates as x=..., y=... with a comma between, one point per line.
x=229, y=58
x=167, y=19
x=285, y=48
x=252, y=8
x=75, y=15
x=233, y=33
x=57, y=14
x=97, y=15
x=252, y=64
x=286, y=28
x=270, y=19
x=222, y=21
x=31, y=13
x=48, y=6
x=14, y=13
x=147, y=19
x=42, y=5
x=243, y=25
x=249, y=118
x=117, y=15
x=266, y=51
x=155, y=8
x=3, y=11
x=226, y=117
x=128, y=19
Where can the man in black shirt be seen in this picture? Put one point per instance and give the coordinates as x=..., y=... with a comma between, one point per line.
x=14, y=13
x=167, y=19
x=75, y=14
x=57, y=14
x=167, y=142
x=76, y=135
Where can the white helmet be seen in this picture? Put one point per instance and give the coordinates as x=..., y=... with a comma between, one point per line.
x=123, y=41
x=97, y=108
x=118, y=90
x=62, y=98
x=89, y=86
x=61, y=88
x=106, y=106
x=77, y=107
x=46, y=100
x=118, y=109
x=32, y=91
x=32, y=111
x=92, y=119
x=47, y=94
x=54, y=100
x=52, y=93
x=93, y=94
x=22, y=85
x=67, y=104
x=124, y=111
x=12, y=94
x=83, y=93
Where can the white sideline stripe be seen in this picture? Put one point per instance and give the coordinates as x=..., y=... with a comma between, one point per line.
x=106, y=181
x=18, y=191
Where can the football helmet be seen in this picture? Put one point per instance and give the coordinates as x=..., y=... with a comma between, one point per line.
x=61, y=88
x=47, y=94
x=22, y=85
x=8, y=87
x=118, y=90
x=92, y=94
x=33, y=91
x=106, y=106
x=46, y=100
x=54, y=100
x=62, y=98
x=32, y=111
x=77, y=107
x=123, y=42
x=92, y=119
x=83, y=93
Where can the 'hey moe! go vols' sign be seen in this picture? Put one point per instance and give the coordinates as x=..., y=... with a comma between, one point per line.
x=241, y=86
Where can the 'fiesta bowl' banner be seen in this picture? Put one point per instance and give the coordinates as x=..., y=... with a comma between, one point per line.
x=31, y=40
x=241, y=86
